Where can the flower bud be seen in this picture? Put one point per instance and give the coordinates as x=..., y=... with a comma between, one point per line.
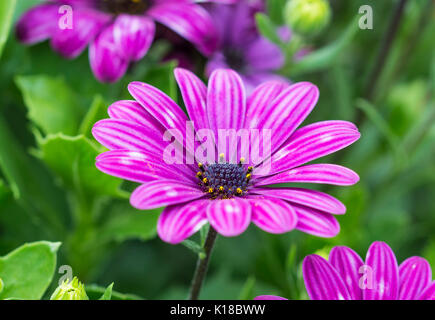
x=307, y=17
x=70, y=290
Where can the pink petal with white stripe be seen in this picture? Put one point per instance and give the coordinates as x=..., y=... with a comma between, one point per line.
x=316, y=222
x=348, y=263
x=229, y=217
x=142, y=166
x=415, y=275
x=190, y=21
x=428, y=293
x=158, y=194
x=312, y=142
x=132, y=111
x=194, y=94
x=273, y=215
x=287, y=111
x=385, y=273
x=309, y=198
x=314, y=173
x=179, y=222
x=133, y=35
x=322, y=281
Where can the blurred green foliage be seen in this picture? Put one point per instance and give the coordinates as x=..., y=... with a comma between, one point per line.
x=50, y=189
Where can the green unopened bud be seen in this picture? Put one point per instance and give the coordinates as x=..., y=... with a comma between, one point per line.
x=1, y=285
x=307, y=17
x=70, y=290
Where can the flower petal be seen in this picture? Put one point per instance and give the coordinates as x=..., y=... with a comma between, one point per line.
x=273, y=215
x=428, y=293
x=122, y=134
x=269, y=297
x=385, y=273
x=287, y=111
x=347, y=262
x=322, y=281
x=314, y=173
x=158, y=194
x=229, y=217
x=415, y=275
x=37, y=24
x=313, y=142
x=133, y=112
x=142, y=166
x=316, y=222
x=306, y=197
x=190, y=21
x=106, y=64
x=179, y=222
x=87, y=24
x=263, y=55
x=194, y=94
x=133, y=36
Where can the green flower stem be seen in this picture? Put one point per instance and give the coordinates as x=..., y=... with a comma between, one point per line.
x=202, y=265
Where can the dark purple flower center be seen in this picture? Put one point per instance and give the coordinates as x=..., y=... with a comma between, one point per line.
x=125, y=6
x=234, y=58
x=224, y=180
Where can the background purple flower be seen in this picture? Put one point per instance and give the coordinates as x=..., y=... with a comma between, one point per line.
x=242, y=48
x=347, y=276
x=228, y=195
x=118, y=32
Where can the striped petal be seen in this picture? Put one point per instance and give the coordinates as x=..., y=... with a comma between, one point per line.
x=273, y=215
x=229, y=217
x=313, y=142
x=190, y=21
x=385, y=273
x=194, y=94
x=287, y=111
x=133, y=112
x=70, y=43
x=106, y=64
x=133, y=35
x=160, y=193
x=179, y=222
x=142, y=166
x=314, y=173
x=121, y=134
x=322, y=281
x=306, y=197
x=428, y=293
x=316, y=222
x=348, y=263
x=226, y=107
x=415, y=275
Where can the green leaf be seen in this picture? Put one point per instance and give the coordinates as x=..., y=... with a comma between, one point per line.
x=97, y=112
x=107, y=293
x=51, y=104
x=27, y=271
x=267, y=28
x=247, y=292
x=162, y=76
x=325, y=57
x=95, y=292
x=195, y=247
x=129, y=223
x=73, y=160
x=6, y=14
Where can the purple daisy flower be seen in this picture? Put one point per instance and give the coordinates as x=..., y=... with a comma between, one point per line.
x=345, y=276
x=228, y=192
x=242, y=48
x=118, y=32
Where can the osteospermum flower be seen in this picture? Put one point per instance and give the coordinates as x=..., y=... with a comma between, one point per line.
x=242, y=48
x=345, y=276
x=118, y=32
x=228, y=193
